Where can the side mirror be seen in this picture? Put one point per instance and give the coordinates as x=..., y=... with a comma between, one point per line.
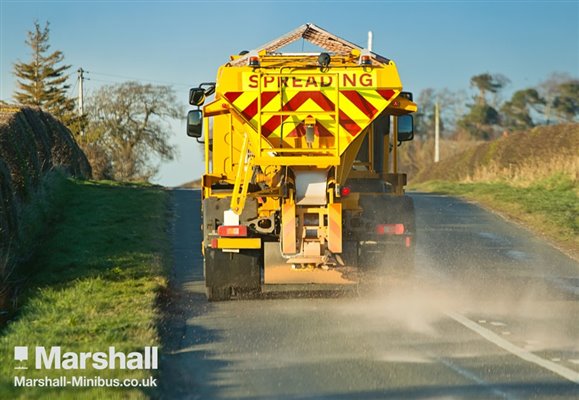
x=406, y=95
x=405, y=128
x=196, y=96
x=194, y=123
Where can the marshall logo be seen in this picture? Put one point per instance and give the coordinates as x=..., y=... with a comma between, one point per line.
x=54, y=358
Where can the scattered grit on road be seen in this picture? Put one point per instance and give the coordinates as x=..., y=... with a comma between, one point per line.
x=492, y=312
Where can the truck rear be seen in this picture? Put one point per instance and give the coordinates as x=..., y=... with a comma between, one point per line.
x=301, y=188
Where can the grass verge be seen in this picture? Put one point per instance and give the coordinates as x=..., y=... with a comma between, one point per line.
x=93, y=284
x=549, y=206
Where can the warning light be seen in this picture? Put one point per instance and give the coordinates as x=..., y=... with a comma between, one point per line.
x=365, y=59
x=254, y=61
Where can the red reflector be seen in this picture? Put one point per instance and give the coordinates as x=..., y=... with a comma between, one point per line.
x=232, y=230
x=399, y=229
x=408, y=241
x=345, y=191
x=390, y=229
x=214, y=243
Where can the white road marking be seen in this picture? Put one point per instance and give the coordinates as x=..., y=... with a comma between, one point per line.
x=469, y=375
x=492, y=337
x=518, y=255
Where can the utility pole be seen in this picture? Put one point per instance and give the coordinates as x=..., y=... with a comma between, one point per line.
x=436, y=133
x=80, y=97
x=80, y=92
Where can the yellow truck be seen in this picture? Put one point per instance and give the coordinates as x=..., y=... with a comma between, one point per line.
x=301, y=188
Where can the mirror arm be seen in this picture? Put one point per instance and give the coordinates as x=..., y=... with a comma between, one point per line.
x=210, y=88
x=197, y=139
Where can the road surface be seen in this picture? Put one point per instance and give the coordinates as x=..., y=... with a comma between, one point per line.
x=492, y=312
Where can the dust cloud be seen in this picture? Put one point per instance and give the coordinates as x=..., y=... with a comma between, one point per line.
x=527, y=311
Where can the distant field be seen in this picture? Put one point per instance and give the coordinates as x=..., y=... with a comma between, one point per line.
x=531, y=177
x=94, y=283
x=196, y=184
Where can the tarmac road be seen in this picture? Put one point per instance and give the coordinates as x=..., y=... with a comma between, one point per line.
x=492, y=312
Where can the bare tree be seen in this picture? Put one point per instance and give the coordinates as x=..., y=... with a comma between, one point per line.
x=451, y=106
x=129, y=121
x=424, y=118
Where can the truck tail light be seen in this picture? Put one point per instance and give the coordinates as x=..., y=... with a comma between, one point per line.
x=345, y=191
x=232, y=230
x=390, y=229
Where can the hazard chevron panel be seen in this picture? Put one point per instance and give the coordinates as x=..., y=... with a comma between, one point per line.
x=279, y=106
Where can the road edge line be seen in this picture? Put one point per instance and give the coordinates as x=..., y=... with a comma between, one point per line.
x=515, y=350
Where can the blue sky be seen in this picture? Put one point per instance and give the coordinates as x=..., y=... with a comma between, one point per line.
x=438, y=44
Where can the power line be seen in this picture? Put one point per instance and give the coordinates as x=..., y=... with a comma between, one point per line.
x=139, y=79
x=99, y=80
x=72, y=90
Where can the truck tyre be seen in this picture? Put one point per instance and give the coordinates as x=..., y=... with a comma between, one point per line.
x=403, y=254
x=214, y=293
x=227, y=273
x=392, y=256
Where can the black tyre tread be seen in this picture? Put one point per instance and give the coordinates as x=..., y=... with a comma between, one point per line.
x=218, y=293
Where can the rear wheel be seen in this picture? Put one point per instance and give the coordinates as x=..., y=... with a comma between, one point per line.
x=392, y=254
x=214, y=293
x=403, y=263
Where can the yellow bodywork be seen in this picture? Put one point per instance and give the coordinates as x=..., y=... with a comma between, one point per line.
x=286, y=115
x=271, y=107
x=237, y=243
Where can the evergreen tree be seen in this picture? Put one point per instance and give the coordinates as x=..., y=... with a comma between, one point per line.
x=491, y=83
x=566, y=103
x=482, y=120
x=516, y=113
x=42, y=82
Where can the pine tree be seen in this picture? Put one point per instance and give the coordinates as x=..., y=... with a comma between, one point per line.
x=43, y=81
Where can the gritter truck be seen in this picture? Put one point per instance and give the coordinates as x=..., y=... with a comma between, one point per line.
x=301, y=188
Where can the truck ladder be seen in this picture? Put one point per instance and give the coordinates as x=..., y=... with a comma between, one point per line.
x=242, y=178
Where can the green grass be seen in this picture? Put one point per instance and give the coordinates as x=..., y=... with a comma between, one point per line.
x=549, y=206
x=94, y=283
